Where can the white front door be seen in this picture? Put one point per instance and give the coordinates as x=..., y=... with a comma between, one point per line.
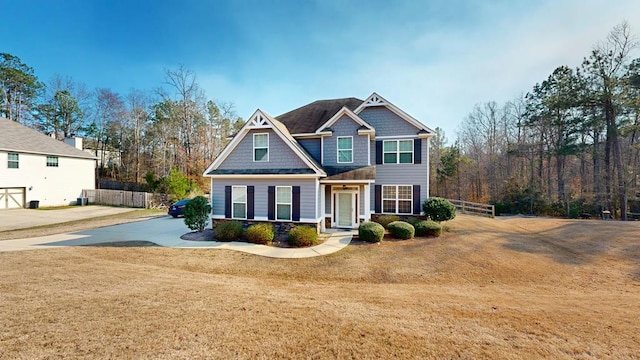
x=345, y=208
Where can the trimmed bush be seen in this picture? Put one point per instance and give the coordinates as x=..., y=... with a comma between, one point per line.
x=401, y=230
x=260, y=233
x=413, y=220
x=196, y=213
x=370, y=232
x=228, y=231
x=384, y=220
x=428, y=228
x=302, y=235
x=438, y=209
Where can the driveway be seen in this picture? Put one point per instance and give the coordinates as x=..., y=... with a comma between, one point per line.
x=166, y=231
x=26, y=218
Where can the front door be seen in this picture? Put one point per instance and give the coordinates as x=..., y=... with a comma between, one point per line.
x=345, y=209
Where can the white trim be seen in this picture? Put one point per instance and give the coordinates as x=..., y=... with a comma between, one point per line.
x=399, y=137
x=369, y=152
x=398, y=152
x=366, y=191
x=339, y=114
x=354, y=207
x=290, y=203
x=307, y=135
x=347, y=181
x=322, y=150
x=338, y=150
x=254, y=146
x=245, y=202
x=323, y=190
x=265, y=219
x=397, y=199
x=267, y=176
x=377, y=100
x=262, y=120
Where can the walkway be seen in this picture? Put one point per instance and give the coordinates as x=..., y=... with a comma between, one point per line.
x=166, y=231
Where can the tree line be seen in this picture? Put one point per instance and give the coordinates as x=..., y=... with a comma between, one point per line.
x=136, y=136
x=568, y=147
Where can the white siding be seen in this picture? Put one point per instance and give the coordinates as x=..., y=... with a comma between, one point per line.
x=52, y=186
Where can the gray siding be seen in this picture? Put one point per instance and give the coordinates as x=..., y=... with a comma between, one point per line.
x=312, y=146
x=386, y=122
x=307, y=195
x=403, y=174
x=280, y=155
x=345, y=126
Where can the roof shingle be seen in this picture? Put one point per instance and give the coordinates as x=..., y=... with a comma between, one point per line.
x=19, y=138
x=308, y=118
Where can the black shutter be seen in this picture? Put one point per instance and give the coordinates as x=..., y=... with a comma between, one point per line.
x=227, y=202
x=378, y=199
x=250, y=196
x=417, y=151
x=271, y=203
x=378, y=152
x=295, y=203
x=416, y=200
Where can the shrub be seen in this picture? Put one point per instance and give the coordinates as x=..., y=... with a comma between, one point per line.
x=438, y=209
x=401, y=230
x=428, y=228
x=196, y=213
x=301, y=236
x=228, y=231
x=260, y=233
x=413, y=220
x=384, y=220
x=370, y=232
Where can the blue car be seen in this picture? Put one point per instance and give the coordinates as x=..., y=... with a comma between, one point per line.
x=176, y=208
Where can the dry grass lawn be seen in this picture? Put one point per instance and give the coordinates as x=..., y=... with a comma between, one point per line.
x=503, y=288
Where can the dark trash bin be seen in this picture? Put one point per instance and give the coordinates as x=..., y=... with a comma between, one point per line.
x=34, y=204
x=82, y=201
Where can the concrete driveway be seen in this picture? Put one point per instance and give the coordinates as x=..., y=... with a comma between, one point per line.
x=26, y=218
x=166, y=231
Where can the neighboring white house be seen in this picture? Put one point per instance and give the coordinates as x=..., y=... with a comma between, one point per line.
x=36, y=167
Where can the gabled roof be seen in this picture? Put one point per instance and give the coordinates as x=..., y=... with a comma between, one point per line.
x=262, y=120
x=307, y=119
x=15, y=137
x=377, y=100
x=345, y=112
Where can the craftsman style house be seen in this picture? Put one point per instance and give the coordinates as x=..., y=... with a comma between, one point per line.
x=331, y=163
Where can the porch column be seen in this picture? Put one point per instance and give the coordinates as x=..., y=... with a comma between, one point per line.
x=367, y=202
x=322, y=206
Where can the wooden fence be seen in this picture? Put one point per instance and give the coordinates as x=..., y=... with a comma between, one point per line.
x=118, y=198
x=467, y=207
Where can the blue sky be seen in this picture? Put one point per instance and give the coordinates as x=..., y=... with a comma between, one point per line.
x=433, y=59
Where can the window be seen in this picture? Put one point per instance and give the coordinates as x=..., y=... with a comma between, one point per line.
x=283, y=202
x=345, y=149
x=52, y=161
x=398, y=152
x=13, y=161
x=397, y=199
x=239, y=202
x=261, y=147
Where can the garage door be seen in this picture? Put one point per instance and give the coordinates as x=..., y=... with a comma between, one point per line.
x=11, y=198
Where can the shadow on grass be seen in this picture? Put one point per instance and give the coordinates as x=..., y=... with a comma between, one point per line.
x=124, y=244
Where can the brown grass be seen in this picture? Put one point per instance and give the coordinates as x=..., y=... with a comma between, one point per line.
x=508, y=288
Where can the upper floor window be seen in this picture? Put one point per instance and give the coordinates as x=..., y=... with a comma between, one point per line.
x=261, y=147
x=13, y=161
x=345, y=149
x=398, y=152
x=397, y=199
x=283, y=202
x=52, y=161
x=239, y=202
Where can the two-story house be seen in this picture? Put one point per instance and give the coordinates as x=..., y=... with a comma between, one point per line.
x=331, y=163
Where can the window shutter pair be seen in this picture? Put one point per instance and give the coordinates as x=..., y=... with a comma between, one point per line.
x=228, y=203
x=417, y=207
x=295, y=203
x=417, y=151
